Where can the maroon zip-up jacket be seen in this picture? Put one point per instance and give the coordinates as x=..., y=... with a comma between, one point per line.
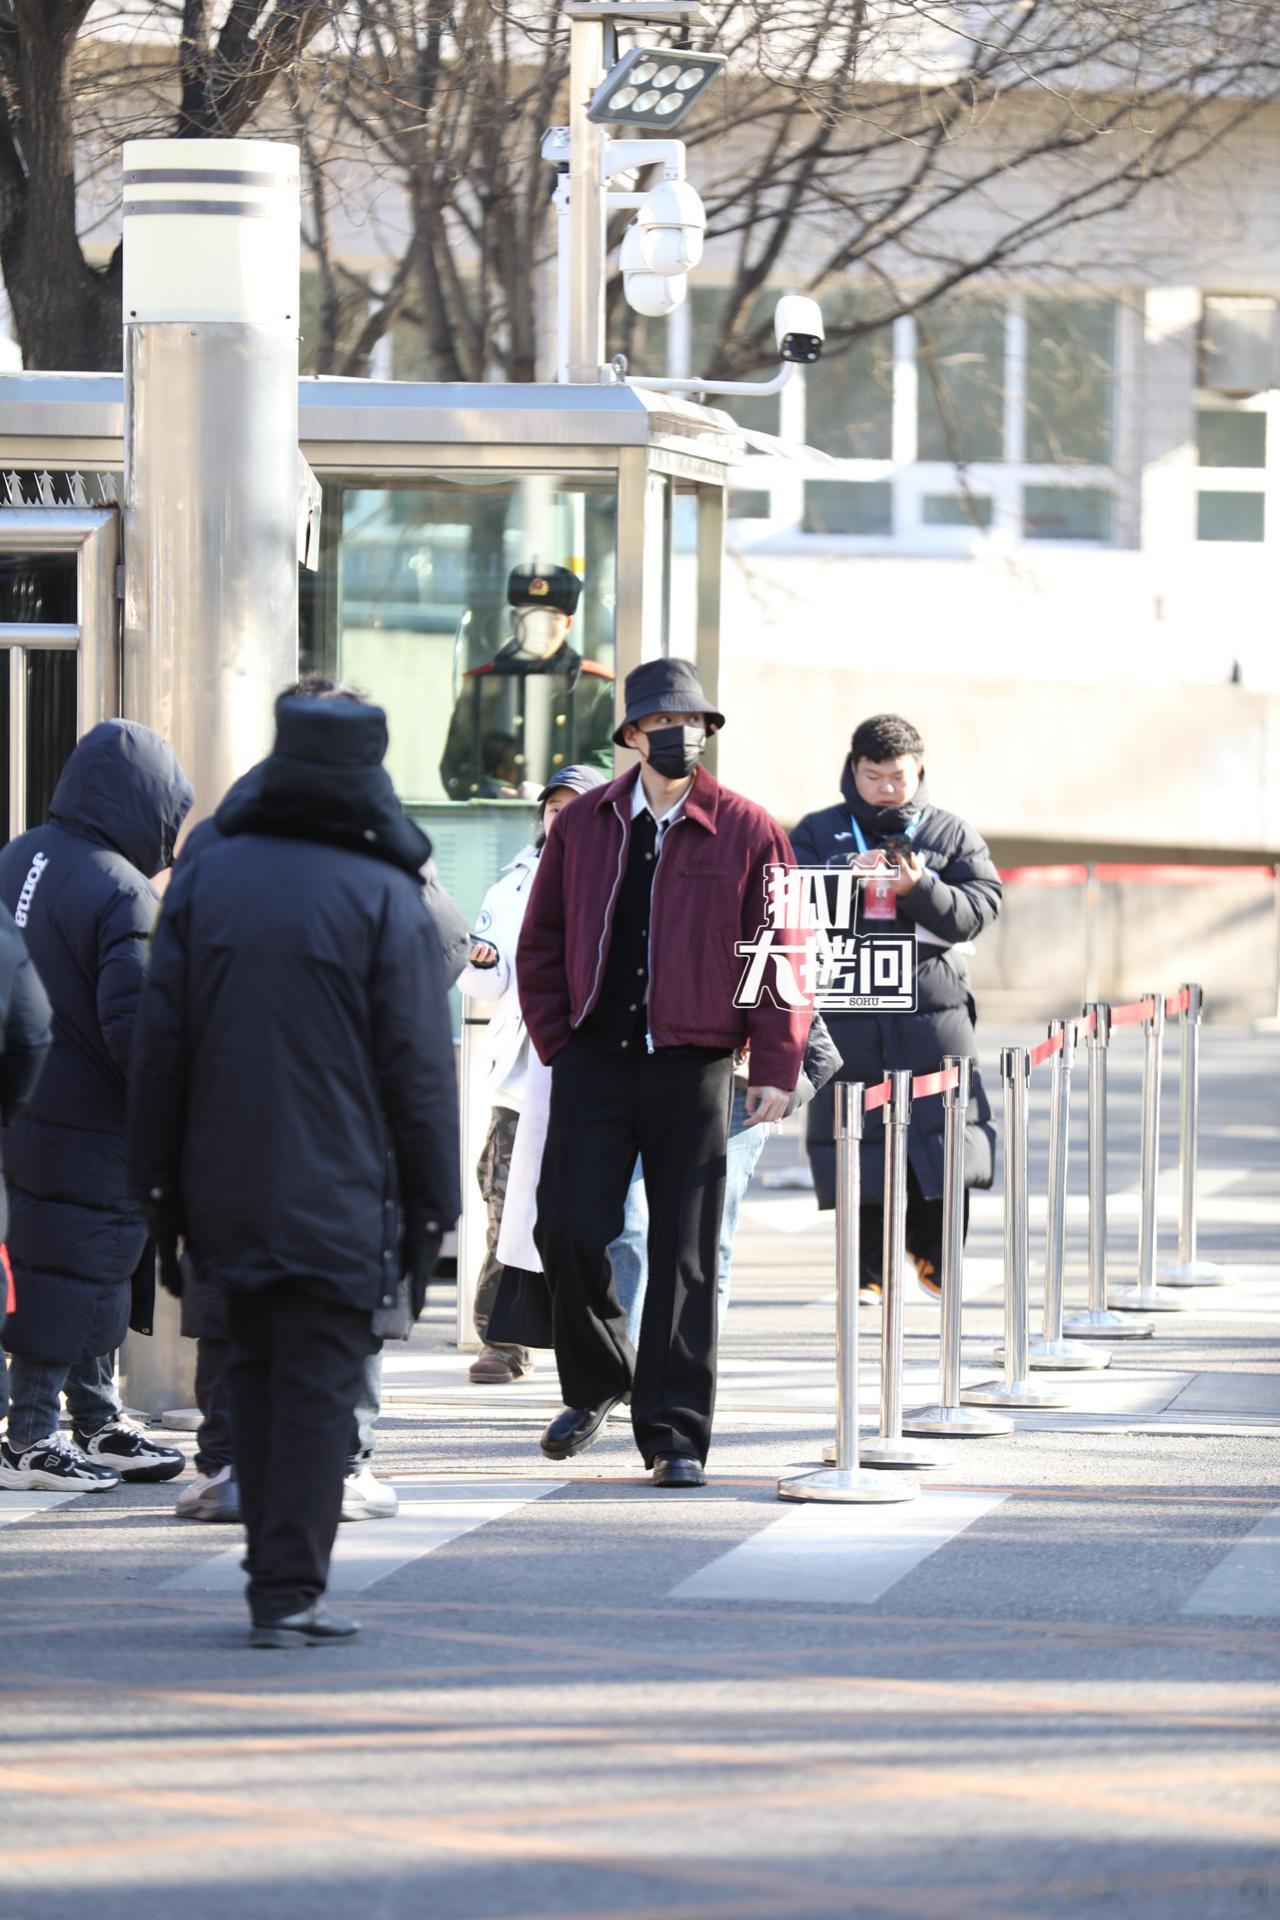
x=708, y=894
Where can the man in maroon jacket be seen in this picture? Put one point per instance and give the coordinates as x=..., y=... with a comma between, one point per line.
x=627, y=968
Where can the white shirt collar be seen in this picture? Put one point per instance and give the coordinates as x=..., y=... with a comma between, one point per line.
x=640, y=804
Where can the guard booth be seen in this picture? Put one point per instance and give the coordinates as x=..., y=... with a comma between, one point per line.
x=430, y=494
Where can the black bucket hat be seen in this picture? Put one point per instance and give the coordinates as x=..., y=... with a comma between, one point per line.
x=665, y=686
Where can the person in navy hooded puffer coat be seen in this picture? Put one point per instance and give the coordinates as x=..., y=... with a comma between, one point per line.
x=80, y=889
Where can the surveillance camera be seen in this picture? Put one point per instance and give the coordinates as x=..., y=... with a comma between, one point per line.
x=672, y=221
x=646, y=292
x=798, y=328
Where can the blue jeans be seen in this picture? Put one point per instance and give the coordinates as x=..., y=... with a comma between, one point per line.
x=630, y=1251
x=213, y=1443
x=35, y=1388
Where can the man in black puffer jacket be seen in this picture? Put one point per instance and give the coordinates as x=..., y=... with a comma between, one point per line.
x=212, y=1494
x=80, y=889
x=947, y=889
x=293, y=1115
x=25, y=1034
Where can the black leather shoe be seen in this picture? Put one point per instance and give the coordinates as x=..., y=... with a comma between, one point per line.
x=678, y=1470
x=574, y=1430
x=313, y=1627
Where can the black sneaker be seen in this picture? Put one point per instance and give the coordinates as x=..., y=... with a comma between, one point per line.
x=123, y=1446
x=313, y=1627
x=53, y=1466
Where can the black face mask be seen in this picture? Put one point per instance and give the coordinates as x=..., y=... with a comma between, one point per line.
x=674, y=752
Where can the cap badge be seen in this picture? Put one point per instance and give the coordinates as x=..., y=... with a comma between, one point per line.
x=538, y=589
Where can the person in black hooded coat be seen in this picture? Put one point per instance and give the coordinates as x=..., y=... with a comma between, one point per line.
x=80, y=889
x=293, y=1116
x=954, y=899
x=212, y=1494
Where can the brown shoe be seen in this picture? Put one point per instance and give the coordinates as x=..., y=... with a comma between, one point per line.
x=928, y=1274
x=493, y=1369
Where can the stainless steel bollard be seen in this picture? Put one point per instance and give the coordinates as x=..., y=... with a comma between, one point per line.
x=846, y=1481
x=1147, y=1297
x=1097, y=1322
x=1049, y=1349
x=1016, y=1389
x=889, y=1449
x=1187, y=1270
x=948, y=1416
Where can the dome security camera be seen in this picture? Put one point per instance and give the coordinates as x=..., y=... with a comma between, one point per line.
x=798, y=328
x=652, y=294
x=672, y=222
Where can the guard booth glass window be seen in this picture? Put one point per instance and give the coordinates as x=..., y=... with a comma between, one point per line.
x=38, y=589
x=410, y=604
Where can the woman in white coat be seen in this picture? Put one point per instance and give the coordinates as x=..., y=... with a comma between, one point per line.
x=490, y=974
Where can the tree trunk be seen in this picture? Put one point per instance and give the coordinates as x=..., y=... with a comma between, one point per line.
x=67, y=313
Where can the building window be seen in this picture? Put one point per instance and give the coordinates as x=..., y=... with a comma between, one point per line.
x=1239, y=343
x=750, y=503
x=1066, y=513
x=706, y=308
x=960, y=363
x=848, y=506
x=1070, y=380
x=1231, y=516
x=849, y=393
x=957, y=509
x=1230, y=437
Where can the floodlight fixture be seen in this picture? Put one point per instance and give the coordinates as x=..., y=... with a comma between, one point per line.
x=653, y=87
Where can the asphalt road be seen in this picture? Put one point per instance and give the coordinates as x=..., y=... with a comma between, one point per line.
x=1047, y=1688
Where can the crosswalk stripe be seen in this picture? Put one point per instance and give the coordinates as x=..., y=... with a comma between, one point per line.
x=21, y=1506
x=1245, y=1581
x=367, y=1551
x=844, y=1554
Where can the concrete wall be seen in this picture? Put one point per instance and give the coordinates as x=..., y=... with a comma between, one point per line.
x=1079, y=767
x=1056, y=946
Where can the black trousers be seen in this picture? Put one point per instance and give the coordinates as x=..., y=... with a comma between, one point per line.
x=672, y=1108
x=924, y=1233
x=295, y=1368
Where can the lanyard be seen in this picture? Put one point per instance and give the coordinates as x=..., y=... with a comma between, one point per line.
x=858, y=835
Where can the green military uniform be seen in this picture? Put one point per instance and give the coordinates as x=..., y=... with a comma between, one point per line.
x=519, y=721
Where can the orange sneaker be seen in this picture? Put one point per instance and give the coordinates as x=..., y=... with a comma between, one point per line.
x=928, y=1274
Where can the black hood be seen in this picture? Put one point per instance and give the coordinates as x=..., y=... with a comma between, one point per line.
x=122, y=786
x=324, y=780
x=883, y=823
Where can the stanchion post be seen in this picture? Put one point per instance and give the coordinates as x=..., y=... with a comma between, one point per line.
x=1187, y=1270
x=846, y=1482
x=1146, y=1296
x=1098, y=1322
x=948, y=1416
x=1016, y=1389
x=888, y=1448
x=1049, y=1349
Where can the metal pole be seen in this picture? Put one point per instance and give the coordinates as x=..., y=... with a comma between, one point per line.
x=845, y=1481
x=586, y=203
x=1049, y=1349
x=1187, y=1270
x=1146, y=1296
x=948, y=1416
x=1016, y=1389
x=210, y=616
x=889, y=1449
x=1098, y=1322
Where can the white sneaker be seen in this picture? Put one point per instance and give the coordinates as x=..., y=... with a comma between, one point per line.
x=365, y=1497
x=210, y=1496
x=54, y=1465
